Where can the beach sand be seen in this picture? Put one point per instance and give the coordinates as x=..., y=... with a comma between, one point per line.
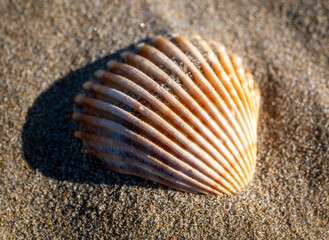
x=49, y=190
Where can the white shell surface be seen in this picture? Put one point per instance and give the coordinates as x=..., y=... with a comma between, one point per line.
x=179, y=112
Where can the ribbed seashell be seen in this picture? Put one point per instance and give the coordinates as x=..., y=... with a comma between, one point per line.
x=182, y=113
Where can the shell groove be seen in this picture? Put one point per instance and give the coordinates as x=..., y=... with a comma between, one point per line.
x=179, y=112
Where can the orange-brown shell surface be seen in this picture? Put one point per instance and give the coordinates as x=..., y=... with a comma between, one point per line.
x=179, y=112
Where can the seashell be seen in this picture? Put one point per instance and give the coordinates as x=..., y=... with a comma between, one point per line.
x=181, y=113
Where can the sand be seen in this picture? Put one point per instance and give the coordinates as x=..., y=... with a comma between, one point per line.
x=49, y=190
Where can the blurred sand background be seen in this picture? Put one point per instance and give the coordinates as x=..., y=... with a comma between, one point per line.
x=49, y=190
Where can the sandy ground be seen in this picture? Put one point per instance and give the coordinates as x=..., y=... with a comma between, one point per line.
x=49, y=190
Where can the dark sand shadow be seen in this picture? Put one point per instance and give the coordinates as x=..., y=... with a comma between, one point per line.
x=47, y=142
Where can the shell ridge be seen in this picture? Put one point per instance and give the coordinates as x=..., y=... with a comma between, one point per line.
x=240, y=74
x=206, y=117
x=191, y=85
x=225, y=61
x=126, y=166
x=185, y=111
x=191, y=146
x=226, y=84
x=166, y=126
x=186, y=45
x=158, y=135
x=189, y=159
x=220, y=120
x=251, y=94
x=228, y=68
x=148, y=163
x=252, y=97
x=221, y=74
